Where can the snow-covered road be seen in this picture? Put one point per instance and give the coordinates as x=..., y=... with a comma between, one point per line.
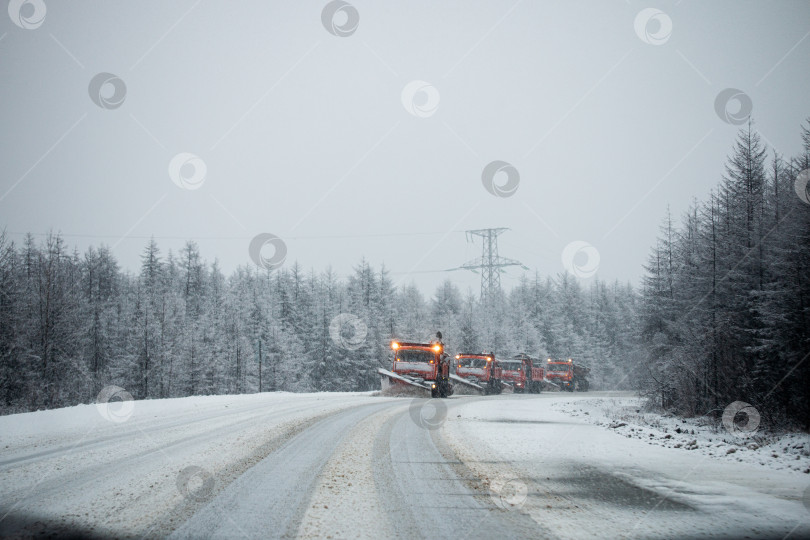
x=354, y=465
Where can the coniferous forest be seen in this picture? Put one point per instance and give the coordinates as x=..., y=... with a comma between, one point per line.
x=725, y=305
x=722, y=314
x=73, y=323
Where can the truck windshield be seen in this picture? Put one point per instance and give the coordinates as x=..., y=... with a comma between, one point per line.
x=558, y=367
x=512, y=366
x=415, y=355
x=473, y=362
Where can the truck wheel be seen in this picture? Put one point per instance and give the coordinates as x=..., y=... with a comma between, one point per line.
x=434, y=392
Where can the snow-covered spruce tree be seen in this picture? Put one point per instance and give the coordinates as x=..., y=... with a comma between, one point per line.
x=13, y=378
x=522, y=334
x=412, y=314
x=100, y=289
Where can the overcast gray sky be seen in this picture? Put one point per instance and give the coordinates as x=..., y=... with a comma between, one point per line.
x=307, y=135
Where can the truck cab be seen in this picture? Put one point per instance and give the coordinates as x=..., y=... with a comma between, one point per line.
x=533, y=371
x=561, y=372
x=481, y=369
x=514, y=372
x=423, y=363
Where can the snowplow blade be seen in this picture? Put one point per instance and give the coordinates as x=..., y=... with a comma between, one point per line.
x=455, y=378
x=390, y=382
x=548, y=385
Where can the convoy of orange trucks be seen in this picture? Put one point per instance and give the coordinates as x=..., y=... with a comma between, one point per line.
x=427, y=366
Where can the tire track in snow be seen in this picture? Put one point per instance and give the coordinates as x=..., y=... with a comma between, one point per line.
x=427, y=491
x=346, y=503
x=271, y=498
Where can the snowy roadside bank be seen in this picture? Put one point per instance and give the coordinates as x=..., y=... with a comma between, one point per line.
x=626, y=416
x=144, y=466
x=117, y=416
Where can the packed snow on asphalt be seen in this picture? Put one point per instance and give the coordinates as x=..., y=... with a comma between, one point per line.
x=359, y=465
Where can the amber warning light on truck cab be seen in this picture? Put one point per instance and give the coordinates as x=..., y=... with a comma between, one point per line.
x=394, y=345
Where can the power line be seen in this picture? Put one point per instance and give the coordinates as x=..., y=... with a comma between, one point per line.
x=147, y=237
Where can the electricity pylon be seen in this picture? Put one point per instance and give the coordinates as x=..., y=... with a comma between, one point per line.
x=489, y=262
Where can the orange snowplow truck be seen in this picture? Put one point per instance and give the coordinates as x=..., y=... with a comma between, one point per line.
x=525, y=373
x=425, y=364
x=567, y=375
x=481, y=369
